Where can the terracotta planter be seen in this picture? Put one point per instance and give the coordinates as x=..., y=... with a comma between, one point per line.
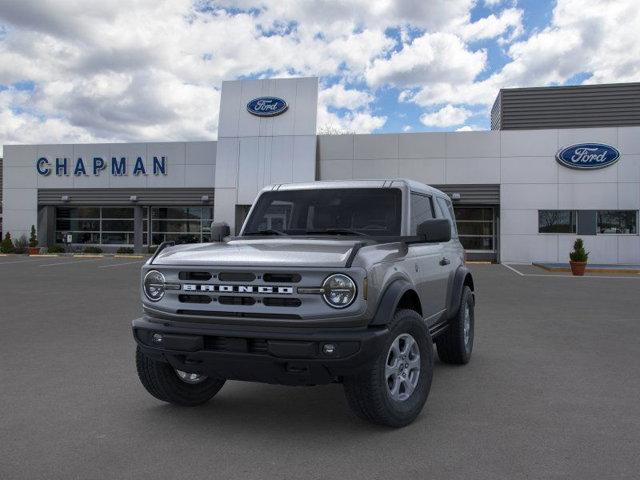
x=578, y=268
x=34, y=250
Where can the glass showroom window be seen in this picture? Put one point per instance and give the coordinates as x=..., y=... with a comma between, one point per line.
x=618, y=221
x=476, y=228
x=556, y=221
x=95, y=225
x=82, y=223
x=117, y=225
x=181, y=224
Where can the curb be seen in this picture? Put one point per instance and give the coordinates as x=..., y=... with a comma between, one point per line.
x=589, y=270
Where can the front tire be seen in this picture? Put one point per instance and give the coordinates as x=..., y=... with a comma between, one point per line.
x=394, y=387
x=456, y=344
x=173, y=386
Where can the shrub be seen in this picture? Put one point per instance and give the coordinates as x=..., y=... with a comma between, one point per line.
x=92, y=250
x=579, y=254
x=33, y=238
x=125, y=250
x=20, y=245
x=7, y=244
x=56, y=249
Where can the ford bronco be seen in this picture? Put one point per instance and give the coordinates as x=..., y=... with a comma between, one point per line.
x=348, y=282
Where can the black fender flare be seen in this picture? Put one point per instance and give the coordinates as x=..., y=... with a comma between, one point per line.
x=461, y=278
x=389, y=301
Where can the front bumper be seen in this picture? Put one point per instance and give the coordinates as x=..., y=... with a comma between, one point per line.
x=270, y=355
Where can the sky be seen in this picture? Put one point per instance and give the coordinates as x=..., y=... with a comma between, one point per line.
x=77, y=71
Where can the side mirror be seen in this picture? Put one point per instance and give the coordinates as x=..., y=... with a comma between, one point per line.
x=435, y=230
x=219, y=230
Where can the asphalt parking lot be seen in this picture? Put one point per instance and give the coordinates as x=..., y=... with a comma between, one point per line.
x=553, y=391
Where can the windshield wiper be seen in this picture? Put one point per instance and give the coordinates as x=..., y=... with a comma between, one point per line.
x=336, y=231
x=268, y=231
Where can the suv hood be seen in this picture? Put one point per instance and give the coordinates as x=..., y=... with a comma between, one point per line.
x=280, y=252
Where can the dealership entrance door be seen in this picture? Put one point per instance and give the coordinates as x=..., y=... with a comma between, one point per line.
x=478, y=231
x=477, y=209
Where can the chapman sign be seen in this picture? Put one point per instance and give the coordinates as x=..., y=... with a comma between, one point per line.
x=95, y=166
x=267, y=106
x=588, y=156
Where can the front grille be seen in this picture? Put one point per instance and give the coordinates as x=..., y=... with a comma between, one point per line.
x=281, y=277
x=196, y=276
x=224, y=292
x=194, y=299
x=282, y=302
x=228, y=300
x=236, y=277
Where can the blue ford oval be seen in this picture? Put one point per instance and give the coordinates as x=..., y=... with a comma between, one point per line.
x=588, y=156
x=267, y=106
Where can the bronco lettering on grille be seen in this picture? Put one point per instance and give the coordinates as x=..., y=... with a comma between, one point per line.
x=190, y=287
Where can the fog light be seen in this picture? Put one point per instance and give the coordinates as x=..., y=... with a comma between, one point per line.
x=157, y=338
x=328, y=349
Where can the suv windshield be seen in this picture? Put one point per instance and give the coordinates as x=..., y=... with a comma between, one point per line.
x=356, y=211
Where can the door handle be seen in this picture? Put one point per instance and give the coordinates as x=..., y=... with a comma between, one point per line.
x=444, y=261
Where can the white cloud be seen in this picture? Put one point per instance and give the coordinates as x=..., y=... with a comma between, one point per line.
x=338, y=96
x=351, y=122
x=151, y=69
x=447, y=116
x=469, y=128
x=583, y=37
x=509, y=20
x=407, y=128
x=432, y=57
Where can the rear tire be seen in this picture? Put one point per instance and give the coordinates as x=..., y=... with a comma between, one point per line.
x=163, y=382
x=394, y=387
x=456, y=344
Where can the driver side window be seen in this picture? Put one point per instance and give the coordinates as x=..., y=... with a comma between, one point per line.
x=447, y=212
x=421, y=210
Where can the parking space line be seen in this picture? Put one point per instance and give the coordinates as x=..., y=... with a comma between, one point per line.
x=513, y=269
x=121, y=264
x=69, y=263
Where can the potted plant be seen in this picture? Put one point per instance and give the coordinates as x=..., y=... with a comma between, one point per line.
x=33, y=242
x=578, y=258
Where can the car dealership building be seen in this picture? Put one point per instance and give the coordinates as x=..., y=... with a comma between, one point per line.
x=559, y=162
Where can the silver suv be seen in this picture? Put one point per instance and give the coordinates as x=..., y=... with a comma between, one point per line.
x=348, y=282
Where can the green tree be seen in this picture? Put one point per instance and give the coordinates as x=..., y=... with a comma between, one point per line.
x=7, y=244
x=33, y=239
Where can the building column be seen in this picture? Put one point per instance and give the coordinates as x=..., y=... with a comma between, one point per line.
x=137, y=229
x=46, y=228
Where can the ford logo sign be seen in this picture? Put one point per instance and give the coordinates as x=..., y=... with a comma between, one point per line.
x=267, y=106
x=588, y=156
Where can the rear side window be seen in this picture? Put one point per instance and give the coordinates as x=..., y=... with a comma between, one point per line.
x=421, y=210
x=447, y=212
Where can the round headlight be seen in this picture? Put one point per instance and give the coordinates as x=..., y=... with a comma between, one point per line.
x=154, y=285
x=339, y=291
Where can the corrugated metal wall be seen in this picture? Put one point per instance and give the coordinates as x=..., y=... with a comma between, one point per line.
x=567, y=107
x=473, y=194
x=121, y=196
